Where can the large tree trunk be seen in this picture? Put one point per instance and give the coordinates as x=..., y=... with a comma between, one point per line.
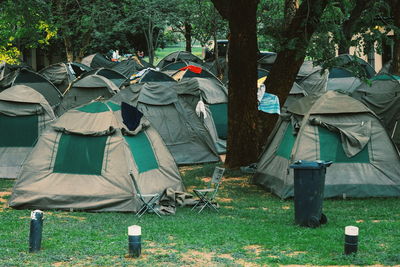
x=188, y=36
x=350, y=25
x=395, y=6
x=297, y=37
x=242, y=106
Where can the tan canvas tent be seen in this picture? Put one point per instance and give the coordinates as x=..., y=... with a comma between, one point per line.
x=84, y=159
x=86, y=89
x=24, y=114
x=382, y=95
x=338, y=128
x=173, y=115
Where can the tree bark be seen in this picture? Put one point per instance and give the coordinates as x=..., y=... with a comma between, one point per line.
x=242, y=97
x=188, y=36
x=68, y=49
x=297, y=37
x=395, y=7
x=350, y=25
x=149, y=39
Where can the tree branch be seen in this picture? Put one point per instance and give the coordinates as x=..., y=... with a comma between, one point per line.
x=223, y=7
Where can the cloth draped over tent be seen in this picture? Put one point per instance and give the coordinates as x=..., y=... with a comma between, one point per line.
x=354, y=136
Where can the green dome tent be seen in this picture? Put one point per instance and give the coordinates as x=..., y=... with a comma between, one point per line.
x=382, y=96
x=86, y=89
x=173, y=115
x=83, y=162
x=24, y=114
x=333, y=127
x=64, y=73
x=36, y=81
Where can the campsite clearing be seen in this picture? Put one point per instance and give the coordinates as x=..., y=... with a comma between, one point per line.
x=254, y=228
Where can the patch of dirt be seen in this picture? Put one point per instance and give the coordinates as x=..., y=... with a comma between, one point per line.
x=65, y=215
x=158, y=251
x=190, y=188
x=246, y=264
x=197, y=258
x=359, y=221
x=265, y=209
x=376, y=221
x=184, y=169
x=225, y=200
x=285, y=207
x=4, y=194
x=238, y=181
x=255, y=249
x=206, y=179
x=228, y=207
x=294, y=253
x=4, y=201
x=226, y=256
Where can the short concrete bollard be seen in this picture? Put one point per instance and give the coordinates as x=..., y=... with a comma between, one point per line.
x=134, y=241
x=35, y=233
x=350, y=240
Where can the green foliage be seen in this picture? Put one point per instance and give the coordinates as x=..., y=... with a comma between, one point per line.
x=253, y=227
x=22, y=24
x=9, y=54
x=270, y=20
x=207, y=22
x=369, y=31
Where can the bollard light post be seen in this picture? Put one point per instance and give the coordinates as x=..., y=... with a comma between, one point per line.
x=350, y=239
x=134, y=241
x=35, y=233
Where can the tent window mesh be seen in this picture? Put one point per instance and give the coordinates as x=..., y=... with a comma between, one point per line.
x=220, y=116
x=78, y=154
x=18, y=131
x=287, y=143
x=331, y=149
x=142, y=152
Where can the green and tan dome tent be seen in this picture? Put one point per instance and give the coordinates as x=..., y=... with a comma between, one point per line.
x=333, y=127
x=24, y=114
x=173, y=115
x=87, y=89
x=382, y=95
x=84, y=159
x=62, y=74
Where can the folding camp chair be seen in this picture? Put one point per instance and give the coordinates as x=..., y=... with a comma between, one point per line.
x=148, y=201
x=207, y=196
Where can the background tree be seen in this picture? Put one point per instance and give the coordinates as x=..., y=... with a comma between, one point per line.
x=294, y=46
x=76, y=21
x=22, y=27
x=182, y=19
x=395, y=9
x=149, y=17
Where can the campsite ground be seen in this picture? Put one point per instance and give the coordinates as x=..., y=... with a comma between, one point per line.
x=253, y=228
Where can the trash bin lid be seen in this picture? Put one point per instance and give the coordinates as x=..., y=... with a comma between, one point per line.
x=318, y=164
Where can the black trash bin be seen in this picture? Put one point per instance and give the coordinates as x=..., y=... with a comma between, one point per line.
x=309, y=183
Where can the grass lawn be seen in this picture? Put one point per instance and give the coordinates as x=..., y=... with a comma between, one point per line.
x=253, y=228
